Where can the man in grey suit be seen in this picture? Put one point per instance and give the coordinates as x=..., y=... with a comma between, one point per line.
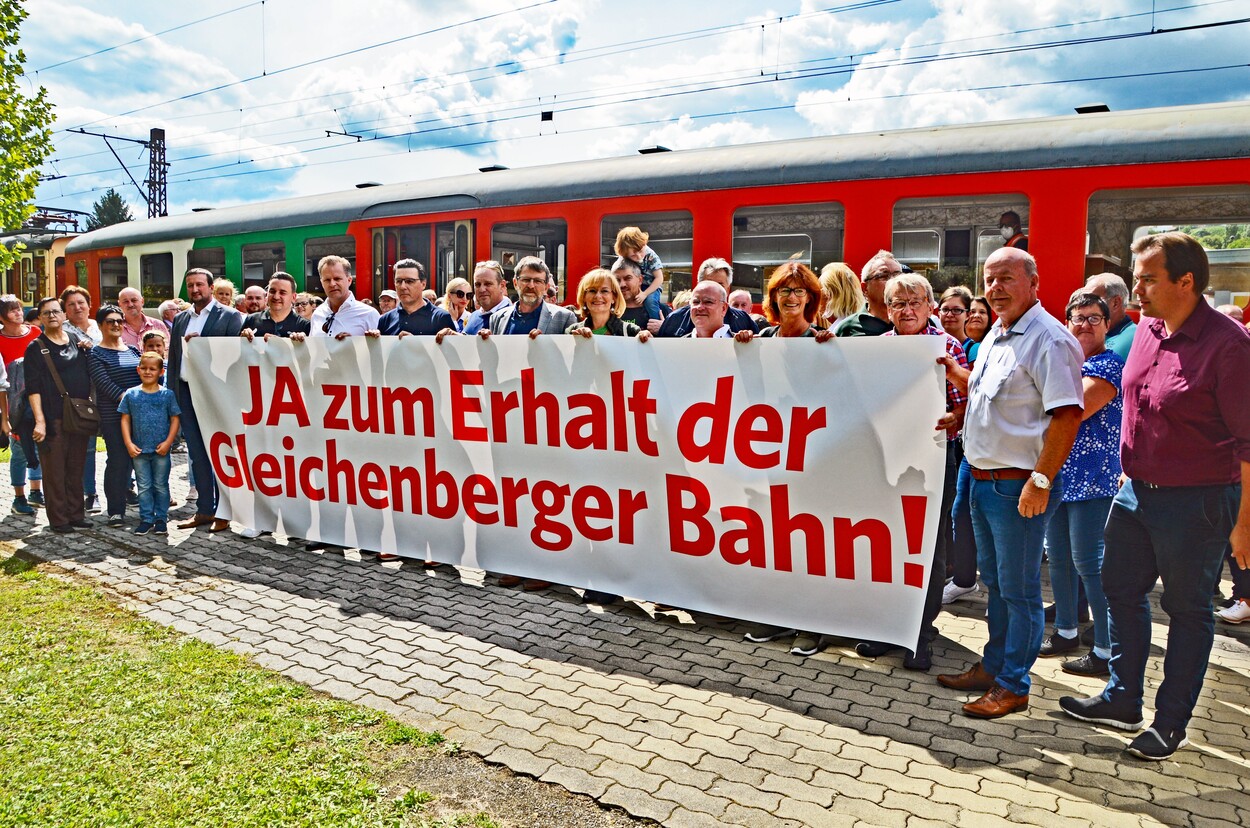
x=205, y=317
x=531, y=314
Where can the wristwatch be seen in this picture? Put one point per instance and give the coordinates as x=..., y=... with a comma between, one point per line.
x=1040, y=480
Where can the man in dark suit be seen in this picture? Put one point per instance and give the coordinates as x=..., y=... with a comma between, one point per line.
x=531, y=314
x=205, y=317
x=721, y=272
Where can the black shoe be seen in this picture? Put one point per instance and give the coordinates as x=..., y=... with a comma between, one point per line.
x=1087, y=665
x=872, y=649
x=1087, y=637
x=89, y=503
x=81, y=524
x=920, y=660
x=1157, y=743
x=315, y=546
x=1098, y=710
x=1055, y=644
x=63, y=529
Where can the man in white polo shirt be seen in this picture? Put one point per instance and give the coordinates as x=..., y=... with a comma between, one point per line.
x=708, y=306
x=1024, y=409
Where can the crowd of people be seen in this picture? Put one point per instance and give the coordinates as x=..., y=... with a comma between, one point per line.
x=1114, y=451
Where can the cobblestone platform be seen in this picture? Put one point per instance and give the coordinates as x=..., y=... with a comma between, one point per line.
x=670, y=716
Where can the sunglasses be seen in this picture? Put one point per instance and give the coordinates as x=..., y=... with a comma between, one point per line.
x=459, y=294
x=325, y=328
x=113, y=320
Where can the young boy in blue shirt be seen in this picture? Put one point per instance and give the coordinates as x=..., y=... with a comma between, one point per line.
x=150, y=417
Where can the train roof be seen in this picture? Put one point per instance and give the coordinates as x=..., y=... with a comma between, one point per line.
x=1189, y=133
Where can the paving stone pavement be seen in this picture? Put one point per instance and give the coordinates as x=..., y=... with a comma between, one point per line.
x=669, y=716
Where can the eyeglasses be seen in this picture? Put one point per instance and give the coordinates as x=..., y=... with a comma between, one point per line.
x=787, y=292
x=302, y=304
x=1093, y=319
x=531, y=280
x=404, y=282
x=914, y=304
x=57, y=312
x=603, y=291
x=325, y=327
x=459, y=294
x=881, y=277
x=952, y=311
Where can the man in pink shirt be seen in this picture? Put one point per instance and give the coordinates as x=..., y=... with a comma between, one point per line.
x=136, y=322
x=1185, y=448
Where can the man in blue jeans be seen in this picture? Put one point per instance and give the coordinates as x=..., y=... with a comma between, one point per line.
x=1024, y=411
x=1185, y=448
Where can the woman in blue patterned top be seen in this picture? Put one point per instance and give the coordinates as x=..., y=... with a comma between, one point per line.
x=1091, y=477
x=114, y=368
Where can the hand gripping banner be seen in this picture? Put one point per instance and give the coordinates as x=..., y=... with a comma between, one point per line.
x=782, y=481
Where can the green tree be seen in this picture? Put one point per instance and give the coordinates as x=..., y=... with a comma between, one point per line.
x=111, y=208
x=25, y=129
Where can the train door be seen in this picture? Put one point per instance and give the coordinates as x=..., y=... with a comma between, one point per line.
x=511, y=241
x=454, y=260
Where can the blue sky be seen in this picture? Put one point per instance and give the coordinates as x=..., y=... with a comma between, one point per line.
x=434, y=87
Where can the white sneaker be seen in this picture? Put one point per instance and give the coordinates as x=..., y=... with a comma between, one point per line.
x=1235, y=614
x=253, y=533
x=952, y=592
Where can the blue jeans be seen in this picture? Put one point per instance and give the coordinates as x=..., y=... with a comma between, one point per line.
x=88, y=471
x=652, y=304
x=152, y=479
x=1009, y=554
x=17, y=465
x=1074, y=547
x=963, y=557
x=1178, y=534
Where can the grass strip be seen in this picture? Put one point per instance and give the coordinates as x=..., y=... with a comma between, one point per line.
x=110, y=720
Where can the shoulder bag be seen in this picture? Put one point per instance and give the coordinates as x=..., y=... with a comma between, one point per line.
x=79, y=417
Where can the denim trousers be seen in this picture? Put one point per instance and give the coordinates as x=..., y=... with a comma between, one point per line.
x=1009, y=555
x=88, y=471
x=1074, y=548
x=204, y=481
x=1179, y=534
x=17, y=465
x=963, y=549
x=152, y=481
x=116, y=468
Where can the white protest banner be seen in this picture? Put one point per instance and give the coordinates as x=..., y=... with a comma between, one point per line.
x=782, y=481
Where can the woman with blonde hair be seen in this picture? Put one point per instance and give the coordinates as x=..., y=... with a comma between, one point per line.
x=843, y=296
x=456, y=302
x=600, y=304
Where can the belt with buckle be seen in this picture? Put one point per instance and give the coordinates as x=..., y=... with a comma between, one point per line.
x=1000, y=474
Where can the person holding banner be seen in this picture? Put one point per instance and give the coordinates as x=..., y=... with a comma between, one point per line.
x=712, y=270
x=1024, y=410
x=792, y=304
x=413, y=314
x=279, y=318
x=708, y=307
x=205, y=317
x=490, y=292
x=909, y=299
x=341, y=316
x=532, y=315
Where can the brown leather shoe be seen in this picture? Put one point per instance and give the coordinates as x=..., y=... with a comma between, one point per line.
x=510, y=580
x=975, y=679
x=997, y=701
x=534, y=585
x=197, y=520
x=219, y=525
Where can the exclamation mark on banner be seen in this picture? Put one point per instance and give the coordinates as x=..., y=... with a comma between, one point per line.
x=913, y=522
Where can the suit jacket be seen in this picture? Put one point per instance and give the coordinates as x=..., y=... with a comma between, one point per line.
x=552, y=319
x=678, y=322
x=221, y=321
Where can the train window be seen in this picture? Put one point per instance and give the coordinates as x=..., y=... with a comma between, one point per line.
x=212, y=259
x=672, y=239
x=260, y=261
x=1219, y=217
x=947, y=240
x=511, y=241
x=390, y=244
x=113, y=277
x=80, y=273
x=156, y=277
x=767, y=237
x=317, y=249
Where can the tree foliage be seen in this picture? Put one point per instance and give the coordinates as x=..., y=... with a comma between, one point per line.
x=25, y=128
x=1219, y=236
x=111, y=208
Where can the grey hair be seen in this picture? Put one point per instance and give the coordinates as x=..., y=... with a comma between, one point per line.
x=714, y=264
x=870, y=265
x=1114, y=286
x=908, y=283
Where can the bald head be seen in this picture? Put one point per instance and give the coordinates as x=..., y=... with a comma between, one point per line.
x=1232, y=312
x=131, y=303
x=708, y=305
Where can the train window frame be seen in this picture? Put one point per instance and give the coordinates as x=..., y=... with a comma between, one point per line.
x=678, y=268
x=110, y=285
x=212, y=259
x=268, y=258
x=752, y=275
x=159, y=289
x=514, y=245
x=976, y=214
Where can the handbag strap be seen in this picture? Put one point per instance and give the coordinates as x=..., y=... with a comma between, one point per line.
x=56, y=375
